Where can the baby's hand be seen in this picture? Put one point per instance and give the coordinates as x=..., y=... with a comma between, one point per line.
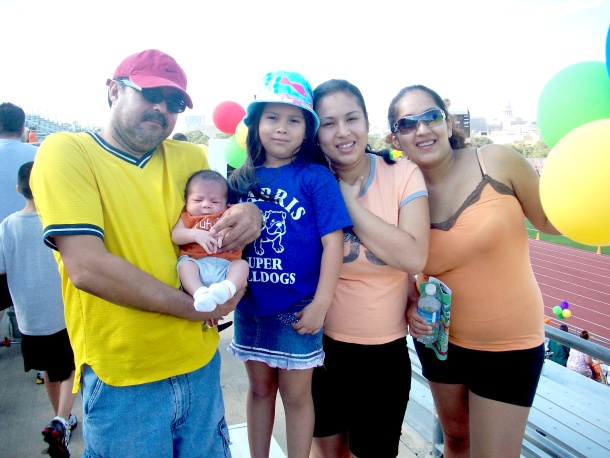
x=209, y=242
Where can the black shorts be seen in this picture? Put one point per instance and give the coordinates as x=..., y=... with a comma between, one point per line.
x=6, y=300
x=363, y=390
x=51, y=353
x=505, y=376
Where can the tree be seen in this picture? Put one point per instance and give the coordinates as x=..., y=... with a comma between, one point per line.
x=197, y=137
x=222, y=135
x=377, y=142
x=477, y=142
x=538, y=149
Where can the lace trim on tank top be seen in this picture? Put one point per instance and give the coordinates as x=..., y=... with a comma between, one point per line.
x=474, y=197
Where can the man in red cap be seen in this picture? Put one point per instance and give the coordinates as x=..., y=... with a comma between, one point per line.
x=108, y=201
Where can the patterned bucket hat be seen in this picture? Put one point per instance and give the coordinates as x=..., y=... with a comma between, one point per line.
x=284, y=87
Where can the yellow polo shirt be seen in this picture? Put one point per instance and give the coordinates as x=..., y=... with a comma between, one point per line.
x=82, y=185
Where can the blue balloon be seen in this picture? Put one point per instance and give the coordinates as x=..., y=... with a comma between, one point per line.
x=608, y=52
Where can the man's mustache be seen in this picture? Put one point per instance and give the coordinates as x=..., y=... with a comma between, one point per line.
x=153, y=116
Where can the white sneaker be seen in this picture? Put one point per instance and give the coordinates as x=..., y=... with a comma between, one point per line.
x=72, y=422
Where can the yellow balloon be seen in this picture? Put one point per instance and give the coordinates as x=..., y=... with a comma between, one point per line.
x=241, y=133
x=566, y=313
x=575, y=186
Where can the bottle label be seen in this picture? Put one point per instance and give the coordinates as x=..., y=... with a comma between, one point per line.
x=431, y=317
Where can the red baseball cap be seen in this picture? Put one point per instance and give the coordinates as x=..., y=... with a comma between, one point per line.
x=153, y=68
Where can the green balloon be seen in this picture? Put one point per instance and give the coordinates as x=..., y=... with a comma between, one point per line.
x=557, y=309
x=576, y=95
x=235, y=154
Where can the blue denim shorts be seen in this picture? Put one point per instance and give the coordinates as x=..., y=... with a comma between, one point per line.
x=273, y=340
x=181, y=416
x=211, y=268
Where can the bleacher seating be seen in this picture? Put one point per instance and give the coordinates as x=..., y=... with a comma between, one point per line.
x=570, y=416
x=46, y=127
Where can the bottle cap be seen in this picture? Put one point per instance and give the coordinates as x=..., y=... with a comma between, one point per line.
x=430, y=289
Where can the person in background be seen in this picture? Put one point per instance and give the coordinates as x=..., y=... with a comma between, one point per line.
x=361, y=392
x=108, y=202
x=36, y=287
x=579, y=361
x=479, y=248
x=13, y=154
x=294, y=265
x=560, y=352
x=180, y=137
x=32, y=135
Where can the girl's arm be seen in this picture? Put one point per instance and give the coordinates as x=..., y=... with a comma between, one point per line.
x=509, y=167
x=404, y=247
x=312, y=317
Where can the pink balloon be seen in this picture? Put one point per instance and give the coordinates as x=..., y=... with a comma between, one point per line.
x=227, y=115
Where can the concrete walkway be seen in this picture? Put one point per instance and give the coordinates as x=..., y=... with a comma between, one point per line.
x=25, y=409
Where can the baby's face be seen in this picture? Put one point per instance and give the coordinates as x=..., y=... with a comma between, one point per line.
x=206, y=197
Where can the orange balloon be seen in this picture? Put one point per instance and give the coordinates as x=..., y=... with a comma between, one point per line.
x=547, y=320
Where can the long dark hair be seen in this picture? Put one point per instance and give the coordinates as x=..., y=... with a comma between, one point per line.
x=243, y=180
x=458, y=137
x=335, y=86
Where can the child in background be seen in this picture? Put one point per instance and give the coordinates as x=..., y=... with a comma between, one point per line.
x=35, y=286
x=200, y=263
x=294, y=264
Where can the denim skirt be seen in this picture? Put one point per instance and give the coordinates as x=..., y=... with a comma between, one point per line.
x=272, y=340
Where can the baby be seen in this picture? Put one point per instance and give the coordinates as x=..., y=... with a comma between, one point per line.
x=207, y=275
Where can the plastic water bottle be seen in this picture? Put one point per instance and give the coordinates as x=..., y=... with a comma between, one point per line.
x=429, y=307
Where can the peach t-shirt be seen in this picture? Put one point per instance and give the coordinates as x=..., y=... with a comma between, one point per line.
x=370, y=299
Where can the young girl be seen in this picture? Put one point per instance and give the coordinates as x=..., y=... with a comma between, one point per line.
x=361, y=393
x=294, y=264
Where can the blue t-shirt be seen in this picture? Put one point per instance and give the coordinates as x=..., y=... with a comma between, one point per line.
x=285, y=260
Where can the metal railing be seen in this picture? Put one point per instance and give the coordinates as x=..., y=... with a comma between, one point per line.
x=541, y=442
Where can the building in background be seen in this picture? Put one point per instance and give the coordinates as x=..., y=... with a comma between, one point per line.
x=461, y=117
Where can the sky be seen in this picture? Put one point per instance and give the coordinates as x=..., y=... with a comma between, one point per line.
x=56, y=55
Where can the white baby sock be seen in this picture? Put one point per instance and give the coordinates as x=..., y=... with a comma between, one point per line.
x=204, y=300
x=222, y=291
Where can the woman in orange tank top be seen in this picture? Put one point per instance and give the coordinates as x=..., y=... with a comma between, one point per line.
x=479, y=247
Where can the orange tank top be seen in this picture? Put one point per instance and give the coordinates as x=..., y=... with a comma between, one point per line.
x=482, y=254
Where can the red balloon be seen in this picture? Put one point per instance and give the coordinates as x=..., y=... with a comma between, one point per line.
x=227, y=115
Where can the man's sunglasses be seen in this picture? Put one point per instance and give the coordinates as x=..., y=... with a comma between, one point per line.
x=175, y=103
x=408, y=124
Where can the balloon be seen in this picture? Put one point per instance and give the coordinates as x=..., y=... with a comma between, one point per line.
x=241, y=133
x=564, y=305
x=557, y=310
x=227, y=115
x=608, y=52
x=576, y=95
x=235, y=155
x=547, y=320
x=566, y=313
x=575, y=189
x=560, y=316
